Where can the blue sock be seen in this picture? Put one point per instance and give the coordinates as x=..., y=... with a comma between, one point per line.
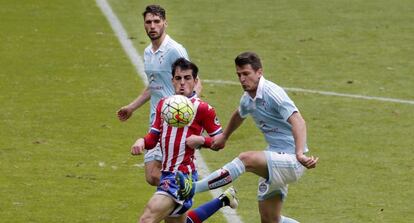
x=227, y=174
x=204, y=211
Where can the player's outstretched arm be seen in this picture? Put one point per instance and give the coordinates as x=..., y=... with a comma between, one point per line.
x=308, y=162
x=299, y=134
x=235, y=121
x=195, y=141
x=125, y=112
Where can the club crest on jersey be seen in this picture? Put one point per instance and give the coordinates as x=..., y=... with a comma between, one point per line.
x=263, y=187
x=161, y=59
x=151, y=78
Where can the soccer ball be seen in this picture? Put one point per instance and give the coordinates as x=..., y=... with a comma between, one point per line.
x=177, y=111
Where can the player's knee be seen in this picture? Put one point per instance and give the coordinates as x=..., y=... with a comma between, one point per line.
x=248, y=159
x=145, y=219
x=149, y=214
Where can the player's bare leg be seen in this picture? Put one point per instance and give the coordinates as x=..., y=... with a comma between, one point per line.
x=153, y=172
x=179, y=219
x=255, y=162
x=158, y=208
x=269, y=209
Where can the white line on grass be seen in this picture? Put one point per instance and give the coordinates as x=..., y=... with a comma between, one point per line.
x=402, y=101
x=123, y=38
x=136, y=60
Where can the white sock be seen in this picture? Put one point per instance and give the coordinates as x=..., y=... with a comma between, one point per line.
x=223, y=176
x=284, y=219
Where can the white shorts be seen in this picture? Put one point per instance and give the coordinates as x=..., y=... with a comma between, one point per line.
x=283, y=170
x=154, y=154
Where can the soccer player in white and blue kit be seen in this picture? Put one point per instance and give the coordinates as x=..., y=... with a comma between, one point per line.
x=158, y=58
x=284, y=160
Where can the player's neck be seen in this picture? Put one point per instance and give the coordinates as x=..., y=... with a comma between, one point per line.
x=157, y=43
x=252, y=93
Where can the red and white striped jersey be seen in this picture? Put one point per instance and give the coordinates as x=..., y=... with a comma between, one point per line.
x=176, y=155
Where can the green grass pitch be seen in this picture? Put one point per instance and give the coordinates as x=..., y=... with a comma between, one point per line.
x=64, y=156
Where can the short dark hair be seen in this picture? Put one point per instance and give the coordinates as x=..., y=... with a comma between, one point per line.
x=248, y=58
x=156, y=10
x=184, y=64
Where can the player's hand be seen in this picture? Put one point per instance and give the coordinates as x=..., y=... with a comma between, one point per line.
x=138, y=147
x=124, y=113
x=308, y=162
x=219, y=141
x=194, y=141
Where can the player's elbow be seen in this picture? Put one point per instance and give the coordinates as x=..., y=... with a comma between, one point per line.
x=296, y=119
x=150, y=140
x=150, y=145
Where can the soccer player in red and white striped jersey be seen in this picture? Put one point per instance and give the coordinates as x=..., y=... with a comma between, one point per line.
x=177, y=155
x=177, y=145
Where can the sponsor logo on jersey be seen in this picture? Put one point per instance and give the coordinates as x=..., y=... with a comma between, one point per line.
x=267, y=129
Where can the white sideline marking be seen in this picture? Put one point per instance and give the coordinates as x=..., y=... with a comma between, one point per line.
x=123, y=38
x=402, y=101
x=229, y=214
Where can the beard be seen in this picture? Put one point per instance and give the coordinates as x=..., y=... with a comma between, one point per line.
x=156, y=35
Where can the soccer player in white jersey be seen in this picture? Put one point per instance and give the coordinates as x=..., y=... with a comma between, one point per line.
x=158, y=58
x=178, y=153
x=284, y=160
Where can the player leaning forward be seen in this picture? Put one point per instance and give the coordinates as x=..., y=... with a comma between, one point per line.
x=177, y=153
x=284, y=160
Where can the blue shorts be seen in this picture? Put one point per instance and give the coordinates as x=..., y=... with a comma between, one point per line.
x=168, y=186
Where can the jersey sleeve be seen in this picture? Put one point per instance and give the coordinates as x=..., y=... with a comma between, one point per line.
x=152, y=137
x=151, y=140
x=178, y=52
x=284, y=105
x=211, y=122
x=156, y=125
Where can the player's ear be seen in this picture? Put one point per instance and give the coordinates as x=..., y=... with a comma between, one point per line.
x=260, y=72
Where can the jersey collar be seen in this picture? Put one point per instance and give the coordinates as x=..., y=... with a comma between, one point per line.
x=259, y=90
x=163, y=46
x=194, y=95
x=164, y=43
